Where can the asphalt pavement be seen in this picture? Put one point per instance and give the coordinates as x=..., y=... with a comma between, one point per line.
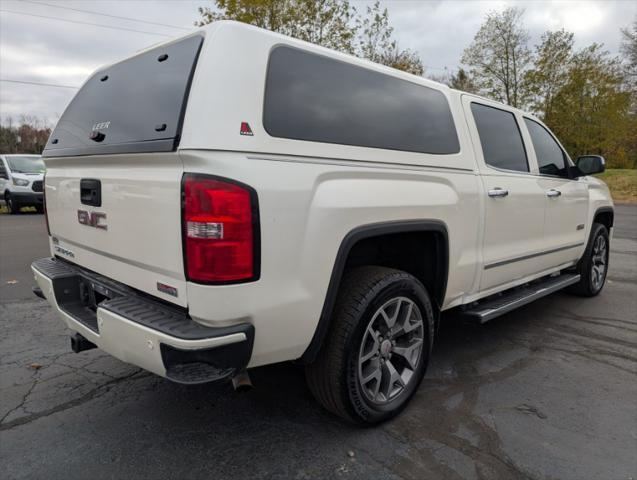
x=23, y=238
x=548, y=391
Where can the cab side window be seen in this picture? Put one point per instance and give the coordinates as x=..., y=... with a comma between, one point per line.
x=500, y=138
x=3, y=170
x=551, y=158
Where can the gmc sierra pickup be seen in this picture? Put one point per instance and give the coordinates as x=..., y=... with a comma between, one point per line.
x=236, y=198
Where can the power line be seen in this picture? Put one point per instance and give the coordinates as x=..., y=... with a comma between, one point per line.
x=85, y=23
x=38, y=83
x=106, y=15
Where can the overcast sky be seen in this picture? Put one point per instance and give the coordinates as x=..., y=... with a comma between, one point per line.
x=52, y=51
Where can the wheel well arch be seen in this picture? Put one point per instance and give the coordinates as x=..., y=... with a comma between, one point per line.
x=390, y=244
x=605, y=216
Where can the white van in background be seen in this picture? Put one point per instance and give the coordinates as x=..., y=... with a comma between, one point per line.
x=21, y=178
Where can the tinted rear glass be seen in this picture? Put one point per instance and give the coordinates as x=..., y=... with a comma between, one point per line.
x=132, y=106
x=316, y=98
x=500, y=137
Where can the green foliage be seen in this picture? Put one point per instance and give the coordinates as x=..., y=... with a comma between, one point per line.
x=462, y=81
x=323, y=22
x=273, y=15
x=499, y=57
x=588, y=98
x=331, y=23
x=375, y=42
x=550, y=72
x=591, y=111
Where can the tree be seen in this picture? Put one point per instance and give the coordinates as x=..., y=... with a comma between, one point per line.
x=591, y=112
x=550, y=72
x=499, y=57
x=28, y=136
x=273, y=15
x=375, y=42
x=629, y=50
x=323, y=22
x=462, y=81
x=330, y=23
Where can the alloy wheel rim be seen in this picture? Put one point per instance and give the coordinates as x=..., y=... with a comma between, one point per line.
x=390, y=351
x=600, y=259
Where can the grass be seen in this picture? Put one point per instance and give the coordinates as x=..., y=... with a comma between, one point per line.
x=4, y=209
x=622, y=183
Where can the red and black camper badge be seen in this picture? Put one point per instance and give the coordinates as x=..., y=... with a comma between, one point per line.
x=245, y=129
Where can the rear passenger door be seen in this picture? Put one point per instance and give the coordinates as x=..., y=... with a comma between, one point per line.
x=514, y=200
x=566, y=199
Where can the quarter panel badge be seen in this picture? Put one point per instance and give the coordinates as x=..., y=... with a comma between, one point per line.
x=167, y=289
x=245, y=129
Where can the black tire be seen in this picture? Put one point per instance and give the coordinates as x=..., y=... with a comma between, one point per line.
x=12, y=206
x=588, y=286
x=334, y=378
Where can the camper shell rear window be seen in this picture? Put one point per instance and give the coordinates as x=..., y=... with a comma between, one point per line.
x=133, y=106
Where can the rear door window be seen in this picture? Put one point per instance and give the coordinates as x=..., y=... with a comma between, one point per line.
x=133, y=106
x=500, y=138
x=551, y=158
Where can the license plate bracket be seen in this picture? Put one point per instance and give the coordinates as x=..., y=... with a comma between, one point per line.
x=79, y=297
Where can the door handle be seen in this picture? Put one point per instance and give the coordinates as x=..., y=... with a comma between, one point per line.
x=553, y=193
x=498, y=192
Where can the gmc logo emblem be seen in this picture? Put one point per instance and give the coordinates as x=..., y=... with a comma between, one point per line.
x=92, y=219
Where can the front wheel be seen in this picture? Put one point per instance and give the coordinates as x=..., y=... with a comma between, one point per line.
x=378, y=346
x=593, y=266
x=13, y=207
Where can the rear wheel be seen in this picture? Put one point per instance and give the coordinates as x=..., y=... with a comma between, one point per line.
x=593, y=265
x=378, y=347
x=12, y=205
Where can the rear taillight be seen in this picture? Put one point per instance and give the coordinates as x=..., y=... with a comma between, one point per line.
x=46, y=213
x=220, y=230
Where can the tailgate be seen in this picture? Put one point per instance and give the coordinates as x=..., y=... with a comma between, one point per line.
x=113, y=181
x=120, y=216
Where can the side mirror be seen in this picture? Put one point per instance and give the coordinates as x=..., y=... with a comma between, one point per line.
x=590, y=164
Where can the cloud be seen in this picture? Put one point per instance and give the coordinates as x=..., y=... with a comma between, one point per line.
x=56, y=52
x=440, y=31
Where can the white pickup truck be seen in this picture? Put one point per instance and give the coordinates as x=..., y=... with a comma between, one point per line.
x=236, y=198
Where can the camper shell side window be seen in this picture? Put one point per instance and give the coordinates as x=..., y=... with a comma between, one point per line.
x=321, y=99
